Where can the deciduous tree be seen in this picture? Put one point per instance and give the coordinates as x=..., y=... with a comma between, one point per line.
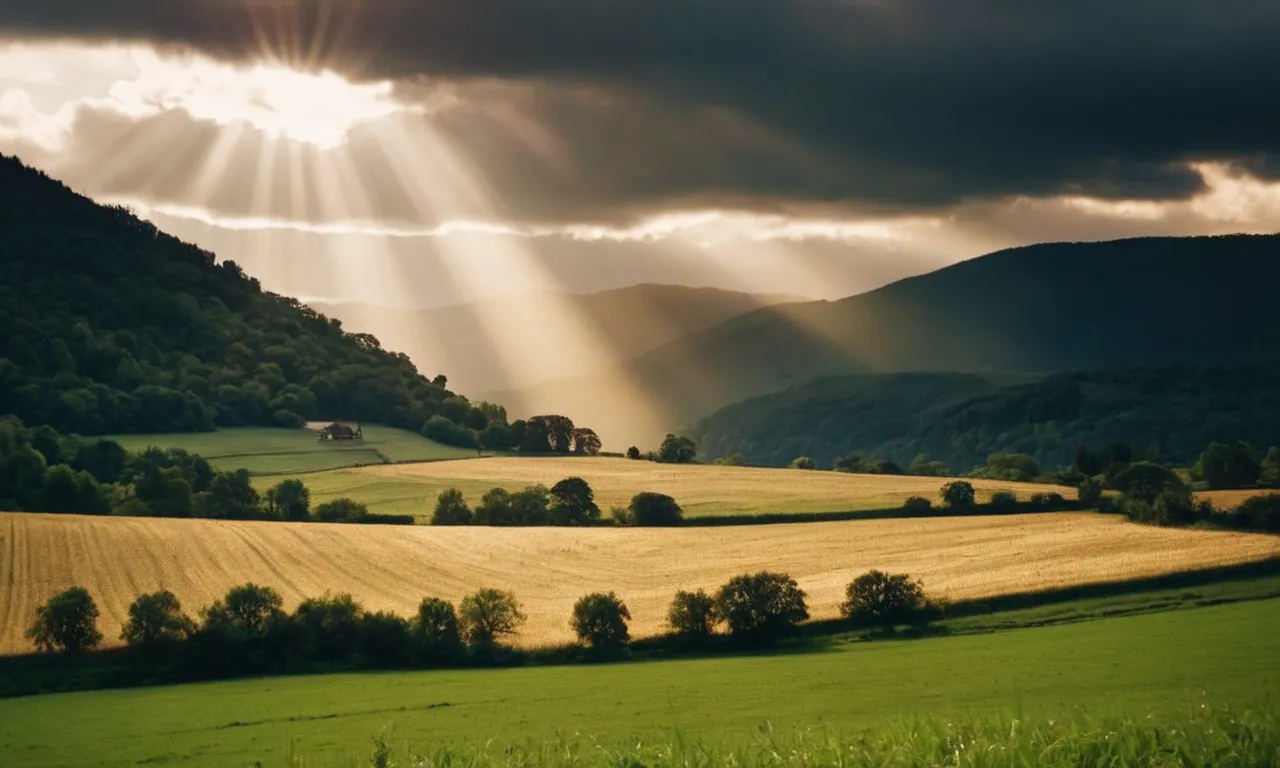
x=67, y=623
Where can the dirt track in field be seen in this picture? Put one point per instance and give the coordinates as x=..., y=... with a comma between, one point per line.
x=389, y=567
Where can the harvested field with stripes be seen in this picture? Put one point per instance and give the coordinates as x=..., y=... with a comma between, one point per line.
x=388, y=567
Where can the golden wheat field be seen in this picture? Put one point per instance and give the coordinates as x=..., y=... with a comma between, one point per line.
x=702, y=490
x=388, y=567
x=1228, y=499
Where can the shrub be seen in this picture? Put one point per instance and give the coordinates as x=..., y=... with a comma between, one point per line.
x=655, y=509
x=802, y=462
x=331, y=625
x=156, y=618
x=573, y=502
x=1145, y=481
x=1017, y=467
x=600, y=621
x=880, y=599
x=692, y=615
x=622, y=516
x=633, y=453
x=917, y=505
x=531, y=506
x=495, y=508
x=288, y=500
x=442, y=430
x=883, y=467
x=1170, y=507
x=489, y=615
x=677, y=450
x=1089, y=491
x=958, y=495
x=927, y=469
x=1049, y=500
x=1260, y=513
x=248, y=610
x=761, y=607
x=1003, y=501
x=288, y=419
x=67, y=623
x=435, y=630
x=341, y=511
x=1228, y=465
x=384, y=638
x=452, y=509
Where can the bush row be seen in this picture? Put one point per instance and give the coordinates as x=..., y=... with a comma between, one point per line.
x=248, y=631
x=569, y=502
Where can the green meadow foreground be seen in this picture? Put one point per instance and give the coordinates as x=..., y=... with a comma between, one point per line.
x=269, y=451
x=1164, y=665
x=702, y=490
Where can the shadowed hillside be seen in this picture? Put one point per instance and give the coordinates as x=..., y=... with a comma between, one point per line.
x=1039, y=309
x=108, y=325
x=608, y=327
x=960, y=419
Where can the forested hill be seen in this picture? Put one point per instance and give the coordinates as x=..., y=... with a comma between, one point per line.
x=109, y=325
x=1040, y=309
x=960, y=419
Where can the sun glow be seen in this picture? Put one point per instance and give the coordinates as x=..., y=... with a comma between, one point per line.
x=319, y=108
x=314, y=107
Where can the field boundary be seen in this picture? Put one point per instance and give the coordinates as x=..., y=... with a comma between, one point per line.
x=34, y=673
x=883, y=513
x=388, y=462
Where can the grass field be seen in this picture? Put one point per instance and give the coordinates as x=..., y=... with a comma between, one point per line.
x=266, y=451
x=393, y=568
x=702, y=490
x=1163, y=665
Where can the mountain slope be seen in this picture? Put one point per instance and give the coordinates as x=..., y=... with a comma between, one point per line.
x=1040, y=309
x=485, y=345
x=960, y=419
x=109, y=325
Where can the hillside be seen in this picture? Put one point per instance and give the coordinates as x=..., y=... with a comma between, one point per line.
x=111, y=326
x=475, y=342
x=1039, y=309
x=960, y=419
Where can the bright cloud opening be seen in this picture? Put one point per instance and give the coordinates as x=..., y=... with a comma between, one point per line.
x=318, y=108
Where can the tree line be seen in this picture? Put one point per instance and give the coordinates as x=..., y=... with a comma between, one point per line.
x=569, y=502
x=247, y=631
x=42, y=470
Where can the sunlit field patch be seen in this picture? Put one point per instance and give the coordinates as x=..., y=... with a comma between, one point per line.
x=394, y=567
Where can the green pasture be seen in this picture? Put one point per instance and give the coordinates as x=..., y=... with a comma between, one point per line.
x=269, y=451
x=1161, y=665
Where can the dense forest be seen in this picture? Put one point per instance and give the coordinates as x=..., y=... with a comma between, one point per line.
x=111, y=326
x=1167, y=413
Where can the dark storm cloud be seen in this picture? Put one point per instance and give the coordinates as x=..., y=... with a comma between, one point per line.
x=900, y=102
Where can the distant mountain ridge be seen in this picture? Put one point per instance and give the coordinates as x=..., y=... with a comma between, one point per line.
x=1039, y=309
x=558, y=334
x=960, y=419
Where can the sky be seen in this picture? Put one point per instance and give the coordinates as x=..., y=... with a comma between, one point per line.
x=419, y=153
